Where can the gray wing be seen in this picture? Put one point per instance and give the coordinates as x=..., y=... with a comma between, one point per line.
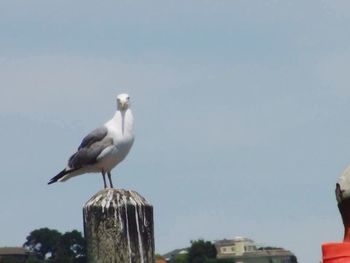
x=94, y=136
x=90, y=148
x=89, y=155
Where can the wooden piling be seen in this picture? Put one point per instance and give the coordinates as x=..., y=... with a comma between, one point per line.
x=118, y=227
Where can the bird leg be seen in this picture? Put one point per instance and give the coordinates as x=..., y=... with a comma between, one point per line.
x=104, y=178
x=110, y=179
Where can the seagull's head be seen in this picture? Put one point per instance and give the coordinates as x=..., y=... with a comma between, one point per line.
x=123, y=101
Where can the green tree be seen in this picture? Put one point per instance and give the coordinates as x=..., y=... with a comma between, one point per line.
x=33, y=260
x=219, y=260
x=71, y=248
x=181, y=258
x=13, y=259
x=200, y=251
x=53, y=247
x=43, y=242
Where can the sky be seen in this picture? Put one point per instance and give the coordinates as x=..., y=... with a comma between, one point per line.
x=241, y=112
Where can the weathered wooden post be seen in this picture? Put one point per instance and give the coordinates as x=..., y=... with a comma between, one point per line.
x=118, y=227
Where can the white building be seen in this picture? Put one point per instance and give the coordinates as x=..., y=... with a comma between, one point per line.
x=244, y=250
x=234, y=247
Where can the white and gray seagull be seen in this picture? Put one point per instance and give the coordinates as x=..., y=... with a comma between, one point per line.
x=105, y=147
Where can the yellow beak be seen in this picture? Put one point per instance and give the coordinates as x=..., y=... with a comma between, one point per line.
x=124, y=105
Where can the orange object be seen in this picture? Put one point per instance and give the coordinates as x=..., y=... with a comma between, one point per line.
x=336, y=252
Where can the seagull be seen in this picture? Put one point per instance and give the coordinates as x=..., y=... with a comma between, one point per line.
x=102, y=149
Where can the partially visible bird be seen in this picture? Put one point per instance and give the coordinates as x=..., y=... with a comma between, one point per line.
x=103, y=148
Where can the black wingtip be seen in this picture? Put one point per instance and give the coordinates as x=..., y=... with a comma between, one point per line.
x=58, y=176
x=52, y=181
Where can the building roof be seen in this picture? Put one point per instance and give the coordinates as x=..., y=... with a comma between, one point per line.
x=227, y=242
x=13, y=251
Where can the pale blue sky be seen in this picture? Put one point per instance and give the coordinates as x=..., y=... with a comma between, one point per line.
x=241, y=107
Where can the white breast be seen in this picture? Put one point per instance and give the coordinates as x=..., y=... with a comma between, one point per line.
x=120, y=129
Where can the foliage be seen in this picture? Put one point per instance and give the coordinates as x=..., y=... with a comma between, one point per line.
x=200, y=251
x=219, y=260
x=43, y=242
x=181, y=258
x=53, y=247
x=34, y=260
x=11, y=260
x=71, y=245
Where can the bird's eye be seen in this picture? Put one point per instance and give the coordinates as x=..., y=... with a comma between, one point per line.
x=128, y=98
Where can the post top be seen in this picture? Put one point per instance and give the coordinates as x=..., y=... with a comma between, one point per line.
x=342, y=190
x=116, y=197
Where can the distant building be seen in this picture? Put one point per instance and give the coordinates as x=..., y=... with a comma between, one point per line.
x=241, y=250
x=227, y=248
x=18, y=254
x=244, y=250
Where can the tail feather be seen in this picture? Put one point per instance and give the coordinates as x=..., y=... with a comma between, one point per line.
x=60, y=175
